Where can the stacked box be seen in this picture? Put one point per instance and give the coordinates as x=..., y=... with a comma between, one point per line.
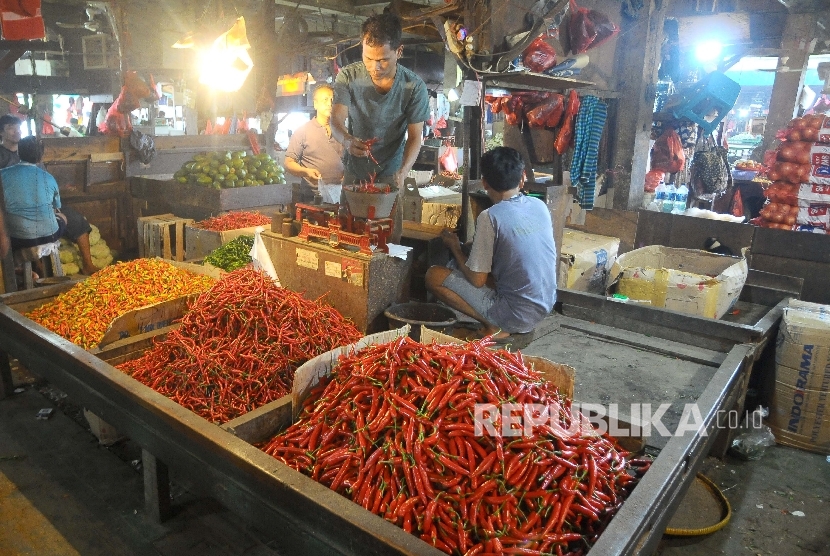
x=799, y=414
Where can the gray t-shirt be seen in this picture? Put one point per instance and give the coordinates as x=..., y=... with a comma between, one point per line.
x=514, y=242
x=312, y=147
x=386, y=117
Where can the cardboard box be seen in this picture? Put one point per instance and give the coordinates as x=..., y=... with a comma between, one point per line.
x=440, y=214
x=586, y=260
x=199, y=242
x=683, y=280
x=799, y=413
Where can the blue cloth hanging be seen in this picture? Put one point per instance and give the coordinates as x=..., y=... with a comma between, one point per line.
x=588, y=131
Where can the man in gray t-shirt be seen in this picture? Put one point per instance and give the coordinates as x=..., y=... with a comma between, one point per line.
x=508, y=282
x=313, y=154
x=386, y=105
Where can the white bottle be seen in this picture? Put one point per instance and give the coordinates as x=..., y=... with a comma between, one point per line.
x=659, y=198
x=681, y=198
x=671, y=195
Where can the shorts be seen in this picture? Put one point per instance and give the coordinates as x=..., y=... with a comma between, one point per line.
x=75, y=226
x=481, y=299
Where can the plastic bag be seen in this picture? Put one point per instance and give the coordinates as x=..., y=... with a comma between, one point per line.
x=653, y=179
x=667, y=153
x=144, y=145
x=448, y=160
x=565, y=136
x=754, y=438
x=260, y=259
x=547, y=114
x=117, y=123
x=588, y=28
x=539, y=55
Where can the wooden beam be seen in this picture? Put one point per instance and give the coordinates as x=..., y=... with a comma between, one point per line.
x=638, y=59
x=9, y=58
x=327, y=7
x=32, y=46
x=797, y=43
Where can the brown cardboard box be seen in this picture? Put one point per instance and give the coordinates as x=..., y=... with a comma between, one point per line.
x=586, y=260
x=683, y=280
x=199, y=242
x=799, y=413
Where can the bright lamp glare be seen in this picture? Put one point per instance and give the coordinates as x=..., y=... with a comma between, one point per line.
x=743, y=112
x=708, y=51
x=452, y=95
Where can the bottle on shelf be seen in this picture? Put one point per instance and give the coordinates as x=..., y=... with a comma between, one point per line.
x=659, y=198
x=681, y=198
x=671, y=197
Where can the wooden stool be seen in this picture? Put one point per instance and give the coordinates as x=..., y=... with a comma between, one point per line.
x=155, y=238
x=54, y=263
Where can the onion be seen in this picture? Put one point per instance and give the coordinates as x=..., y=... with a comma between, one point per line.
x=804, y=172
x=787, y=151
x=794, y=135
x=797, y=123
x=786, y=168
x=774, y=175
x=810, y=134
x=789, y=220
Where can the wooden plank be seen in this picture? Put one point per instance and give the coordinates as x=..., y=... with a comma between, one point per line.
x=658, y=345
x=423, y=232
x=6, y=382
x=106, y=157
x=139, y=342
x=262, y=423
x=814, y=273
x=168, y=251
x=156, y=487
x=690, y=232
x=792, y=245
x=611, y=222
x=78, y=148
x=653, y=228
x=180, y=241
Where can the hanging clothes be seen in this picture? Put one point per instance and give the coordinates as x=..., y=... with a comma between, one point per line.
x=589, y=124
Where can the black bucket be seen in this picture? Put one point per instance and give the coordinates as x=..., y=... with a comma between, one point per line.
x=432, y=315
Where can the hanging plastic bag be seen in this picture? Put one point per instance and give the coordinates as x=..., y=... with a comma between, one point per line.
x=547, y=114
x=653, y=179
x=565, y=136
x=588, y=28
x=144, y=145
x=667, y=153
x=260, y=259
x=448, y=160
x=117, y=123
x=47, y=128
x=539, y=55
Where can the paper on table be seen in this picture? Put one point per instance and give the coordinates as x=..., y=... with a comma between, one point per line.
x=432, y=191
x=399, y=251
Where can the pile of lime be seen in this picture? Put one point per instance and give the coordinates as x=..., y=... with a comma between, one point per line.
x=222, y=170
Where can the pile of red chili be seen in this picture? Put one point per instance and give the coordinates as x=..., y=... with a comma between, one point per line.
x=234, y=221
x=84, y=313
x=393, y=430
x=238, y=346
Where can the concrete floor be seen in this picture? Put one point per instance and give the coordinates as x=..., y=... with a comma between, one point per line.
x=63, y=494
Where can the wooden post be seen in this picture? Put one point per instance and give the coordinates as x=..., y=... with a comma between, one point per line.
x=6, y=382
x=156, y=487
x=797, y=44
x=638, y=59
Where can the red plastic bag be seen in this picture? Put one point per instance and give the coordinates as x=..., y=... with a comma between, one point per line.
x=47, y=128
x=566, y=132
x=653, y=179
x=547, y=114
x=667, y=153
x=588, y=28
x=539, y=55
x=21, y=20
x=117, y=123
x=448, y=160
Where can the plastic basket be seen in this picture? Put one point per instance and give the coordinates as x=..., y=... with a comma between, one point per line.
x=359, y=202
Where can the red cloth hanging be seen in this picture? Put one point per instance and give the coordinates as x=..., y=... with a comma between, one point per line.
x=21, y=20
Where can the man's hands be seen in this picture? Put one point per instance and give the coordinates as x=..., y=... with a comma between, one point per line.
x=451, y=240
x=313, y=174
x=356, y=147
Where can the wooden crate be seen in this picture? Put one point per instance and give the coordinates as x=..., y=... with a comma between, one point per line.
x=156, y=233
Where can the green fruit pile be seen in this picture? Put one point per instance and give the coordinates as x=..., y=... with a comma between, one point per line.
x=223, y=170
